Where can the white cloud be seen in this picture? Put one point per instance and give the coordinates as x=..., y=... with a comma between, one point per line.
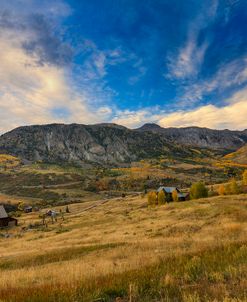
x=229, y=75
x=187, y=62
x=230, y=116
x=134, y=119
x=189, y=59
x=29, y=92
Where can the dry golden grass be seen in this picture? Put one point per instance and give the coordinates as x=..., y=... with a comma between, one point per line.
x=9, y=161
x=116, y=237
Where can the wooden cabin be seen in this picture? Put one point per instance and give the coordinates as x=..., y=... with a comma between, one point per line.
x=168, y=192
x=5, y=220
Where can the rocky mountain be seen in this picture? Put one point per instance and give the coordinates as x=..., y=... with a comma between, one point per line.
x=113, y=144
x=201, y=137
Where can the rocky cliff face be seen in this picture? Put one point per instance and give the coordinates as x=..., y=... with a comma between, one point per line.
x=110, y=143
x=201, y=137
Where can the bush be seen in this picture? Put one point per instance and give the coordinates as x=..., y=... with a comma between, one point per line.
x=198, y=190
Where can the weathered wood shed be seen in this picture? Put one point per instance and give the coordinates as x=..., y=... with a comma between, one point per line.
x=5, y=220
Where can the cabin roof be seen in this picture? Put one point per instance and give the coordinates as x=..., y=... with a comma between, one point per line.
x=168, y=189
x=183, y=194
x=3, y=213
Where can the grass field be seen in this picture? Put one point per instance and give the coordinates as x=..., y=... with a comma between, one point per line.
x=124, y=251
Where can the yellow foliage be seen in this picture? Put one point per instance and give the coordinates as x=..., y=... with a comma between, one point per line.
x=161, y=197
x=221, y=190
x=245, y=178
x=175, y=195
x=234, y=188
x=152, y=198
x=8, y=161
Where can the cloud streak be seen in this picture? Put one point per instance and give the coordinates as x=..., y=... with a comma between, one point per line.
x=187, y=62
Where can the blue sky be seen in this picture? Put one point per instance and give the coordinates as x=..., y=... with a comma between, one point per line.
x=177, y=63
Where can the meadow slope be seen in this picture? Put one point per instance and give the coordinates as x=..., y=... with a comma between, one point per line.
x=191, y=251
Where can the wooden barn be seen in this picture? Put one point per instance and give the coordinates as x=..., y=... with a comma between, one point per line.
x=5, y=220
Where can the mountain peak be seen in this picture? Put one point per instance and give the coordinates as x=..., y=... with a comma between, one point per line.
x=150, y=127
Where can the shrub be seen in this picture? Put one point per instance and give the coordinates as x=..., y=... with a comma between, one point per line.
x=198, y=190
x=161, y=197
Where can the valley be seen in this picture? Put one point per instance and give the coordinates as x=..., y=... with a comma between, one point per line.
x=106, y=243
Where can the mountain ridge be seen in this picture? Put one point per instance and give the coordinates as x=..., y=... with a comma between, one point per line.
x=112, y=143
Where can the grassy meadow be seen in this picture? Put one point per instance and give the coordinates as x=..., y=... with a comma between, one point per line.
x=122, y=250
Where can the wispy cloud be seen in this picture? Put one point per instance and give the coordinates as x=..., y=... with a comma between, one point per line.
x=189, y=59
x=232, y=74
x=140, y=71
x=186, y=63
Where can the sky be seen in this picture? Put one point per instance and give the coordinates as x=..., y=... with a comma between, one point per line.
x=172, y=62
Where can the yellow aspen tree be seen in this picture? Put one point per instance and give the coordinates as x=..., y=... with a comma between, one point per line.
x=175, y=195
x=152, y=198
x=161, y=197
x=245, y=178
x=234, y=188
x=221, y=190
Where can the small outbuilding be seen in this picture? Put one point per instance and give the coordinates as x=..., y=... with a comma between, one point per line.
x=183, y=196
x=5, y=220
x=28, y=209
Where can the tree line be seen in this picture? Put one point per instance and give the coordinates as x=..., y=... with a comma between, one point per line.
x=200, y=190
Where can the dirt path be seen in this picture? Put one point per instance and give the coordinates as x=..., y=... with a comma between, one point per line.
x=67, y=184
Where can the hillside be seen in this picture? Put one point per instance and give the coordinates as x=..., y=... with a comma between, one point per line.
x=239, y=156
x=191, y=251
x=110, y=144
